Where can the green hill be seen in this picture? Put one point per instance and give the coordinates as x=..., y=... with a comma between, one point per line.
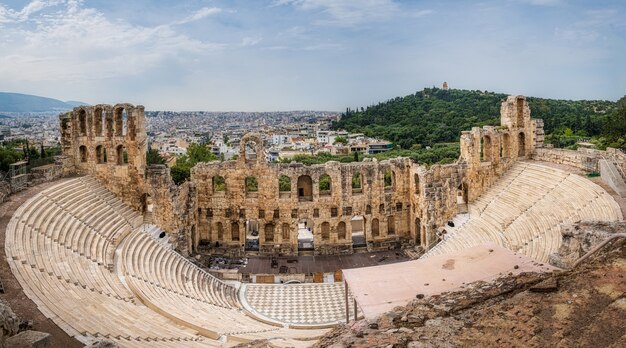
x=16, y=102
x=435, y=115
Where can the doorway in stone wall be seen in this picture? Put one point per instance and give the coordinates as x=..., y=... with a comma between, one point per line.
x=252, y=235
x=357, y=226
x=305, y=235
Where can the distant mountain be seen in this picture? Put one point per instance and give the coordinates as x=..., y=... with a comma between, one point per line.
x=75, y=103
x=16, y=102
x=4, y=116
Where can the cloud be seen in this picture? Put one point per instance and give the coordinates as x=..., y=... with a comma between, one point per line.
x=350, y=12
x=200, y=14
x=250, y=41
x=78, y=43
x=543, y=2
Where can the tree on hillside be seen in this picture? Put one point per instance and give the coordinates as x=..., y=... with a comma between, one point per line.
x=615, y=126
x=196, y=153
x=153, y=157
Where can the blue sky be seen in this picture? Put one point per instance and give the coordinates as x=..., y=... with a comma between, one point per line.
x=308, y=54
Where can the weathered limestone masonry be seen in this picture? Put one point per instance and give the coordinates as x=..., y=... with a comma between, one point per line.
x=108, y=142
x=240, y=206
x=489, y=151
x=230, y=209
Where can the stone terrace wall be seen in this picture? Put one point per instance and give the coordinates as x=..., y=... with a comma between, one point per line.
x=585, y=160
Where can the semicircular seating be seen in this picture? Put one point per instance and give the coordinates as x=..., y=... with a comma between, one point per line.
x=525, y=208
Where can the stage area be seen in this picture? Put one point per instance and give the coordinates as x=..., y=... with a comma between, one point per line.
x=379, y=289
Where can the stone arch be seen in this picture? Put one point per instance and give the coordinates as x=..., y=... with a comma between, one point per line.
x=98, y=121
x=520, y=111
x=219, y=184
x=120, y=118
x=391, y=225
x=305, y=188
x=251, y=148
x=521, y=144
x=505, y=146
x=269, y=232
x=375, y=228
x=284, y=184
x=325, y=230
x=462, y=197
x=357, y=182
x=418, y=231
x=341, y=230
x=286, y=231
x=325, y=185
x=101, y=154
x=122, y=155
x=234, y=231
x=82, y=122
x=252, y=184
x=389, y=179
x=83, y=153
x=486, y=148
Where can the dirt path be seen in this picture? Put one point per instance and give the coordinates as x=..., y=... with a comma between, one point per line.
x=25, y=308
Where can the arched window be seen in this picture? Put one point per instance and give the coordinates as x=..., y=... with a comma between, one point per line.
x=251, y=154
x=122, y=155
x=219, y=184
x=341, y=230
x=286, y=231
x=505, y=146
x=252, y=185
x=388, y=179
x=269, y=233
x=375, y=228
x=284, y=183
x=234, y=231
x=101, y=154
x=357, y=186
x=520, y=112
x=83, y=153
x=98, y=121
x=418, y=231
x=220, y=231
x=325, y=231
x=82, y=122
x=305, y=188
x=521, y=143
x=325, y=185
x=391, y=225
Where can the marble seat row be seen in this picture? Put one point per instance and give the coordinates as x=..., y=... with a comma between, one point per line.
x=525, y=208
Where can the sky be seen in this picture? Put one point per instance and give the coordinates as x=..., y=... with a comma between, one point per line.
x=267, y=55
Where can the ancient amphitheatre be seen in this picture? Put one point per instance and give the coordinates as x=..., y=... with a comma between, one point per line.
x=90, y=252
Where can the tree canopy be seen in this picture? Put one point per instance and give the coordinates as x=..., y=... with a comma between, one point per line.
x=196, y=153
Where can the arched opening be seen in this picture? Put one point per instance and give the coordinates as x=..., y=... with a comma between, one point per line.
x=220, y=232
x=325, y=229
x=486, y=150
x=305, y=235
x=357, y=186
x=388, y=179
x=325, y=185
x=286, y=232
x=234, y=231
x=375, y=228
x=357, y=225
x=461, y=198
x=219, y=184
x=83, y=153
x=252, y=235
x=82, y=123
x=391, y=225
x=119, y=118
x=418, y=231
x=109, y=131
x=416, y=179
x=148, y=205
x=250, y=151
x=341, y=230
x=100, y=154
x=305, y=188
x=122, y=155
x=252, y=185
x=269, y=232
x=284, y=186
x=506, y=146
x=98, y=121
x=521, y=143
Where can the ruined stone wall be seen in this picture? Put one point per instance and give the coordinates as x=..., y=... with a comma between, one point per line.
x=585, y=160
x=388, y=212
x=108, y=142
